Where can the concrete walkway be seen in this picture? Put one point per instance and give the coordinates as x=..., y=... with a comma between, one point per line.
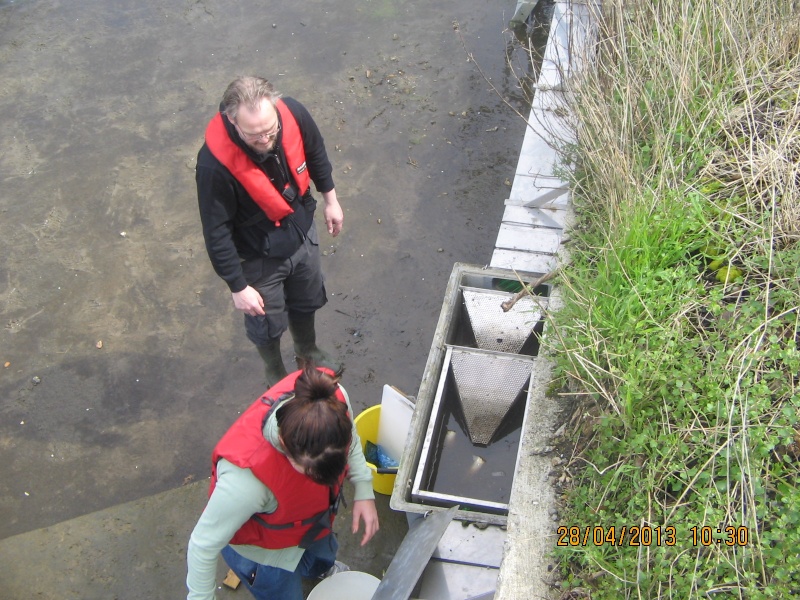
x=138, y=550
x=535, y=224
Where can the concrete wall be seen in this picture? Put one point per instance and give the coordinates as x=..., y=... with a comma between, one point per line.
x=535, y=225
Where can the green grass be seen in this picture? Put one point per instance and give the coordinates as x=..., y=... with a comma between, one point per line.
x=680, y=325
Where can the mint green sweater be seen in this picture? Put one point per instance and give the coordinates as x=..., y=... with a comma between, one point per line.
x=237, y=496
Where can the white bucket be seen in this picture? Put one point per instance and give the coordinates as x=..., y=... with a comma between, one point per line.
x=346, y=585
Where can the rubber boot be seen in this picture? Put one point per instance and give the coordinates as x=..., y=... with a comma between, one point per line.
x=274, y=369
x=305, y=343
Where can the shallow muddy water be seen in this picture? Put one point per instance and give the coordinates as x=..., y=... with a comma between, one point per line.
x=124, y=360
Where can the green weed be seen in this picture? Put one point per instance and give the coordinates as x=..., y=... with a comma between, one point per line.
x=688, y=132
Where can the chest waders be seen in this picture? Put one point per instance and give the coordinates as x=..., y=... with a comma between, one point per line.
x=274, y=369
x=304, y=335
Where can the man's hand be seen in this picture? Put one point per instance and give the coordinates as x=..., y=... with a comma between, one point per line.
x=334, y=217
x=365, y=509
x=249, y=301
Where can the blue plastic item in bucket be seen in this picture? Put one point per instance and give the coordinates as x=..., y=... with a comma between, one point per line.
x=367, y=427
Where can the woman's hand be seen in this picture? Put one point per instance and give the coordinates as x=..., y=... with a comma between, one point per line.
x=365, y=509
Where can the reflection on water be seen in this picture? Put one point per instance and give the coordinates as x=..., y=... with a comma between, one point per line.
x=525, y=46
x=479, y=472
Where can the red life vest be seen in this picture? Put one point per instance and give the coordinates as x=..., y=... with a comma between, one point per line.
x=253, y=179
x=306, y=509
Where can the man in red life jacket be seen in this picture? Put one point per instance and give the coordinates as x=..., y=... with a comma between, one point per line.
x=253, y=177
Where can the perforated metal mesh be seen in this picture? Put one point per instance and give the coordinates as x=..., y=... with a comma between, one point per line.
x=495, y=329
x=487, y=386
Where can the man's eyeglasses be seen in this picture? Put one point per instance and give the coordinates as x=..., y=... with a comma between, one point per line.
x=252, y=137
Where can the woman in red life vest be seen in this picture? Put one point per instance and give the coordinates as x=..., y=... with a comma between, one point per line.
x=276, y=483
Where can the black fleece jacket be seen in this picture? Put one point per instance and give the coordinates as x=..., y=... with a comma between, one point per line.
x=234, y=226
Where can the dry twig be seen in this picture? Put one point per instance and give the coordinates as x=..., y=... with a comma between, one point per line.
x=527, y=289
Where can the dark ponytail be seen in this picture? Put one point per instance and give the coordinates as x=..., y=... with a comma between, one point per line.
x=315, y=427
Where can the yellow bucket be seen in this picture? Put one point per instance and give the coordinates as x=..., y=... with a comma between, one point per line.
x=367, y=427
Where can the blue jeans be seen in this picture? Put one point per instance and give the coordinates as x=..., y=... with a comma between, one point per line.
x=272, y=583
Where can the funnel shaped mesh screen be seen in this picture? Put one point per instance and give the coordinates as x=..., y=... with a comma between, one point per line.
x=487, y=386
x=495, y=329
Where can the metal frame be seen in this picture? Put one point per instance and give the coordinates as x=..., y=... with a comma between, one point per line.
x=462, y=274
x=427, y=496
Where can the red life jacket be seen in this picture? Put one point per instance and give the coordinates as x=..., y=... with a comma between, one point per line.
x=306, y=509
x=253, y=179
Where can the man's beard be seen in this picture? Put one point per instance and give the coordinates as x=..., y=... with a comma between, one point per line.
x=264, y=153
x=260, y=151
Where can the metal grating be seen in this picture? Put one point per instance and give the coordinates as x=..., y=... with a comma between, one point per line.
x=495, y=329
x=487, y=387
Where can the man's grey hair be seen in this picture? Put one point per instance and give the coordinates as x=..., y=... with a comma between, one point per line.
x=249, y=92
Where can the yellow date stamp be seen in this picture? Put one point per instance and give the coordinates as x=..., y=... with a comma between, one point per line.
x=645, y=535
x=624, y=535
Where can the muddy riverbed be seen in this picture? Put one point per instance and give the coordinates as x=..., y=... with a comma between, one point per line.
x=121, y=357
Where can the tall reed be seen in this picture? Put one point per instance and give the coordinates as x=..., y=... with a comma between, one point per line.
x=680, y=326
